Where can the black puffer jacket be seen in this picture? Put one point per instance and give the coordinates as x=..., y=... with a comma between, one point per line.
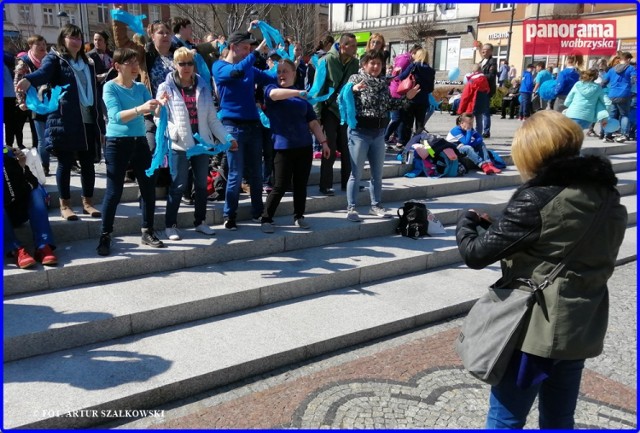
x=543, y=219
x=65, y=128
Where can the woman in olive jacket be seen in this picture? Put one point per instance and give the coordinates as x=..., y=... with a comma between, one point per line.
x=544, y=218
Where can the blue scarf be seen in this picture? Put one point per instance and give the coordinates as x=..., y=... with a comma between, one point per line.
x=162, y=145
x=133, y=21
x=48, y=105
x=203, y=71
x=204, y=148
x=318, y=82
x=347, y=106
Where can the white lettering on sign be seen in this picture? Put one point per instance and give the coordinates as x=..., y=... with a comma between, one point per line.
x=503, y=35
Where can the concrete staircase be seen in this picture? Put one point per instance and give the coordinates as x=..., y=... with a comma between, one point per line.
x=146, y=326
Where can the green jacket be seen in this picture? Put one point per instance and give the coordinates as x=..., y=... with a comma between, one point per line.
x=541, y=221
x=337, y=73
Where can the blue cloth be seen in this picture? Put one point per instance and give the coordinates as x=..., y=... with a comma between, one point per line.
x=119, y=154
x=236, y=84
x=366, y=144
x=556, y=387
x=7, y=83
x=163, y=144
x=565, y=81
x=133, y=21
x=347, y=106
x=527, y=82
x=543, y=76
x=49, y=104
x=289, y=120
x=469, y=138
x=117, y=99
x=619, y=81
x=38, y=221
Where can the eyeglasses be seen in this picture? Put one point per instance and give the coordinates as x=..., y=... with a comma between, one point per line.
x=73, y=38
x=132, y=63
x=183, y=64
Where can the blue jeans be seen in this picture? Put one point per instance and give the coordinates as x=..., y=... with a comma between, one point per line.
x=486, y=122
x=525, y=104
x=619, y=109
x=38, y=220
x=40, y=128
x=395, y=123
x=200, y=168
x=366, y=144
x=118, y=154
x=478, y=157
x=249, y=156
x=557, y=398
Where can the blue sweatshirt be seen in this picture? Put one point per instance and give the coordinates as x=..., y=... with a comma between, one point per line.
x=469, y=138
x=289, y=120
x=566, y=79
x=117, y=98
x=527, y=82
x=236, y=86
x=619, y=79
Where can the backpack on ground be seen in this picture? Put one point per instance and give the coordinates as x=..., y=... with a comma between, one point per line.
x=447, y=163
x=414, y=219
x=497, y=160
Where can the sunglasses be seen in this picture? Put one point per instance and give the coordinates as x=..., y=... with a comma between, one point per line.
x=183, y=64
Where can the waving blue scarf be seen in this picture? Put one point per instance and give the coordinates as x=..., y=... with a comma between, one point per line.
x=318, y=82
x=162, y=145
x=347, y=106
x=133, y=21
x=203, y=71
x=48, y=105
x=264, y=119
x=204, y=148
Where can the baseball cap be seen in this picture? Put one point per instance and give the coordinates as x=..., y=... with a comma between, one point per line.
x=241, y=37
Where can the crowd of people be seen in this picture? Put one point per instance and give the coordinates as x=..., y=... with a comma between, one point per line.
x=113, y=102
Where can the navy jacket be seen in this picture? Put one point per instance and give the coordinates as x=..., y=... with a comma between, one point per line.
x=65, y=129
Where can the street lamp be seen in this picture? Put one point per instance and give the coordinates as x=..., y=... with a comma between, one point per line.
x=62, y=14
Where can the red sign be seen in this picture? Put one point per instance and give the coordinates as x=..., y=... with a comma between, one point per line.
x=561, y=37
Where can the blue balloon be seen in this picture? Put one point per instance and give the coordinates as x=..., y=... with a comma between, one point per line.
x=454, y=74
x=547, y=90
x=612, y=125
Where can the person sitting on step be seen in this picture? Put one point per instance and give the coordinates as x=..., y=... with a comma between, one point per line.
x=470, y=143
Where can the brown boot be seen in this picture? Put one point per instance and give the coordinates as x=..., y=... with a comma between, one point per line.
x=87, y=207
x=66, y=212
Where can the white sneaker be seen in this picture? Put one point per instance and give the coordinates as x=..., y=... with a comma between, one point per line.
x=267, y=228
x=172, y=233
x=352, y=215
x=300, y=222
x=380, y=211
x=205, y=229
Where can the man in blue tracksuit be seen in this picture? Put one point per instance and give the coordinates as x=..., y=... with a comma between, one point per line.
x=620, y=80
x=235, y=78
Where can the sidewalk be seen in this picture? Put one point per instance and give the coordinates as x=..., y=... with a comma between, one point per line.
x=414, y=380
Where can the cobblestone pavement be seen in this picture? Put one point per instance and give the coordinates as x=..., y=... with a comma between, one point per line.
x=413, y=380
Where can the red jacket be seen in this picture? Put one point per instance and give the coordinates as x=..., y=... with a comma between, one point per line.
x=476, y=83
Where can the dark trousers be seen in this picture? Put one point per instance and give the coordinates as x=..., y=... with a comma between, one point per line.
x=410, y=114
x=290, y=165
x=336, y=140
x=10, y=121
x=66, y=159
x=512, y=104
x=118, y=154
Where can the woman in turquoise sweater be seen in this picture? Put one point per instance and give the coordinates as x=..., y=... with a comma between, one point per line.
x=585, y=101
x=127, y=102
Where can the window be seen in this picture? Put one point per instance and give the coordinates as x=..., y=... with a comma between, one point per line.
x=134, y=8
x=501, y=6
x=449, y=6
x=154, y=13
x=47, y=14
x=395, y=9
x=25, y=14
x=446, y=54
x=422, y=7
x=103, y=13
x=348, y=12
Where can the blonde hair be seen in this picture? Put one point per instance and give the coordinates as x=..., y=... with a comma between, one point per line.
x=422, y=56
x=183, y=54
x=379, y=37
x=545, y=135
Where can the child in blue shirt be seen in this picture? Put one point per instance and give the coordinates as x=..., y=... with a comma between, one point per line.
x=526, y=92
x=470, y=143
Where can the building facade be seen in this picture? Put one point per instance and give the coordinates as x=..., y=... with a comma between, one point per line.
x=446, y=30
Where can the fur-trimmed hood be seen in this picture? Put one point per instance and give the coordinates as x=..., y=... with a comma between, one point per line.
x=575, y=170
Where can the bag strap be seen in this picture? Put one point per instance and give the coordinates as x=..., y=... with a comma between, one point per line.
x=336, y=90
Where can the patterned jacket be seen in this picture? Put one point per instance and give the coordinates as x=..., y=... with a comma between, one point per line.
x=374, y=101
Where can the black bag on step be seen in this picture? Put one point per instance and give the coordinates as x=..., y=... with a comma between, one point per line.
x=414, y=220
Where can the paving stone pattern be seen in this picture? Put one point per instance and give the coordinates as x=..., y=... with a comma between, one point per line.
x=414, y=380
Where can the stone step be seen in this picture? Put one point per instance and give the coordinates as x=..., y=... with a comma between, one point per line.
x=146, y=370
x=128, y=217
x=79, y=264
x=35, y=324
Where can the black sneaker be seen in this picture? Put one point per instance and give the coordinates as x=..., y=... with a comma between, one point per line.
x=230, y=224
x=104, y=245
x=327, y=191
x=150, y=238
x=486, y=135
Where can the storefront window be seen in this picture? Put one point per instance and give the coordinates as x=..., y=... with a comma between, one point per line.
x=446, y=54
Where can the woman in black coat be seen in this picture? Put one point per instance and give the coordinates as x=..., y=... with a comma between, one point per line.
x=75, y=129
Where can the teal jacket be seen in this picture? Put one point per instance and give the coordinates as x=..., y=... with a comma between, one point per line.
x=586, y=102
x=338, y=73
